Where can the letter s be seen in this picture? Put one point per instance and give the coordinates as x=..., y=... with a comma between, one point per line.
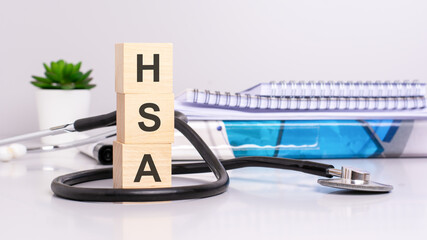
x=155, y=118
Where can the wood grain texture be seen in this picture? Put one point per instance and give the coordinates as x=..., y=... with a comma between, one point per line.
x=129, y=118
x=126, y=67
x=127, y=160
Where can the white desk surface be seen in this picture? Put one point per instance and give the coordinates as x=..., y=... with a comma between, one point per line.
x=260, y=204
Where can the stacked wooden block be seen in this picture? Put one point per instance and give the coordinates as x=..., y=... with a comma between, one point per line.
x=145, y=115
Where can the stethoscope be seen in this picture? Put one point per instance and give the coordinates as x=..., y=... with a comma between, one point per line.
x=66, y=186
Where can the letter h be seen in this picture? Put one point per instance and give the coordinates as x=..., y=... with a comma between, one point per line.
x=140, y=66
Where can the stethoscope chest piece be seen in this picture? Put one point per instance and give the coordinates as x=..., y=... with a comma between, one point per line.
x=354, y=179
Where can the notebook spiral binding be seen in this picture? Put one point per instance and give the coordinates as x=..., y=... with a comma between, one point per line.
x=346, y=88
x=248, y=101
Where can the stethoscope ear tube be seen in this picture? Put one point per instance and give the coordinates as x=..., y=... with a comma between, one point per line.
x=90, y=123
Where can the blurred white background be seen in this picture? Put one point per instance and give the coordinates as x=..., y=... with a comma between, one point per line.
x=218, y=45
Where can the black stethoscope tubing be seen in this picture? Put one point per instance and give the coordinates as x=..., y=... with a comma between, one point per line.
x=65, y=186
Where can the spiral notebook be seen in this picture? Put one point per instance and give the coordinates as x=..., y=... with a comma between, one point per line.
x=339, y=89
x=246, y=101
x=397, y=103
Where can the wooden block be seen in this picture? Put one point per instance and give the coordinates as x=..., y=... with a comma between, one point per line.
x=145, y=118
x=144, y=68
x=142, y=165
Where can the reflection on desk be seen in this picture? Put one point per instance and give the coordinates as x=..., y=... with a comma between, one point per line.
x=260, y=204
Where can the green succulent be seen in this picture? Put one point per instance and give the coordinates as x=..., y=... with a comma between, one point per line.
x=63, y=75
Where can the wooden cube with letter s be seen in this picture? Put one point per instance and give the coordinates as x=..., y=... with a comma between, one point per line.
x=145, y=115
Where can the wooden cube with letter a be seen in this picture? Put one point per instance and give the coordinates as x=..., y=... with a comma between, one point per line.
x=144, y=68
x=145, y=118
x=142, y=165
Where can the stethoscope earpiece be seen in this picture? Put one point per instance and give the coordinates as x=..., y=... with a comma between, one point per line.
x=12, y=151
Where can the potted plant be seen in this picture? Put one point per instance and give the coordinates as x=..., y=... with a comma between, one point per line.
x=63, y=96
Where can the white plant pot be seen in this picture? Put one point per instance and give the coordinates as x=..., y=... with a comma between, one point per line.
x=58, y=107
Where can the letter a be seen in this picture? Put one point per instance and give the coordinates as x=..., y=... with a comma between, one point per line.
x=153, y=171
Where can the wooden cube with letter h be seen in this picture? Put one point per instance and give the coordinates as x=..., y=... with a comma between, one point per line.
x=144, y=68
x=145, y=116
